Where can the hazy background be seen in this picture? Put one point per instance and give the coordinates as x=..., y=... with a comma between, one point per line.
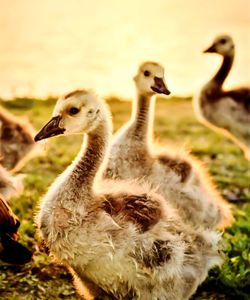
x=51, y=47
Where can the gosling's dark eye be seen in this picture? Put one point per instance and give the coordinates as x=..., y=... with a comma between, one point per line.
x=146, y=73
x=73, y=110
x=223, y=41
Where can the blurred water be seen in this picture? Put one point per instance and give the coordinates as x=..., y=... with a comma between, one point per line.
x=50, y=47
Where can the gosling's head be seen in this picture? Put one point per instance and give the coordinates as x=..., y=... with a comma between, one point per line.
x=222, y=45
x=150, y=79
x=77, y=112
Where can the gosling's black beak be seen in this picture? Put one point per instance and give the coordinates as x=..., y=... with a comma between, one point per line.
x=50, y=129
x=160, y=86
x=211, y=49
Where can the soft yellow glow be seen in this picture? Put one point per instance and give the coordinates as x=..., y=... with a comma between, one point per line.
x=51, y=47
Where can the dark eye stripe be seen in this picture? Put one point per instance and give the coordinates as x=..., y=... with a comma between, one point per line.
x=73, y=110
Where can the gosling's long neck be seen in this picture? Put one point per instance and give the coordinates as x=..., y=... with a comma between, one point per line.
x=90, y=158
x=142, y=118
x=223, y=71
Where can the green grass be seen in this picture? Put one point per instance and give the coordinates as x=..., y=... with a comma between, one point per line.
x=175, y=124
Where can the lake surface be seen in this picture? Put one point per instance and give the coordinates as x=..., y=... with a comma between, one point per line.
x=51, y=47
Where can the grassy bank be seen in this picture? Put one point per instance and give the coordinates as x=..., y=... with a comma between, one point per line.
x=175, y=122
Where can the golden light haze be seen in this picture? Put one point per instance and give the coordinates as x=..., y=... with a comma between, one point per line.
x=51, y=47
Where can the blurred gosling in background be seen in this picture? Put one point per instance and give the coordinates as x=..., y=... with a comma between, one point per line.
x=227, y=112
x=10, y=185
x=16, y=141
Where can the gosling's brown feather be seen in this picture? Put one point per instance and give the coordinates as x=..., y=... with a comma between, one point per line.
x=181, y=167
x=142, y=210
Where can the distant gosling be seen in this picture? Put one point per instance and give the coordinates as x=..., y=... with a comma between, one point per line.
x=16, y=141
x=227, y=112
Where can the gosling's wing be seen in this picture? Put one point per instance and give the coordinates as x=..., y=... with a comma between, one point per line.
x=143, y=210
x=180, y=167
x=238, y=101
x=241, y=96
